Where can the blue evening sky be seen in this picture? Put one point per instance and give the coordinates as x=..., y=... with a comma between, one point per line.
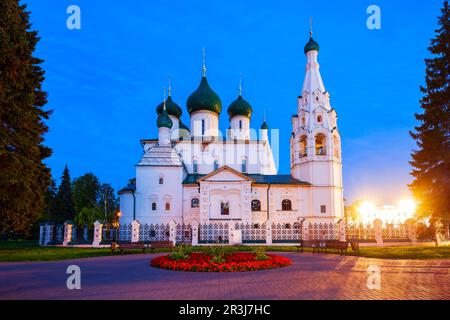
x=105, y=80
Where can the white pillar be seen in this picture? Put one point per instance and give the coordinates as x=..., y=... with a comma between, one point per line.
x=41, y=233
x=305, y=226
x=135, y=225
x=173, y=232
x=411, y=231
x=68, y=226
x=98, y=226
x=231, y=240
x=268, y=232
x=194, y=226
x=342, y=236
x=378, y=225
x=48, y=233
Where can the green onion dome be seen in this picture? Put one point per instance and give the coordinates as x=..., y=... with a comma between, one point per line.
x=264, y=126
x=182, y=126
x=164, y=120
x=204, y=98
x=173, y=109
x=240, y=107
x=311, y=45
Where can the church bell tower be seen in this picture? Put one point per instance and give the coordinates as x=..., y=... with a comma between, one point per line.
x=315, y=141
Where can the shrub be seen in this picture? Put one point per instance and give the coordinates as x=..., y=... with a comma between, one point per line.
x=260, y=253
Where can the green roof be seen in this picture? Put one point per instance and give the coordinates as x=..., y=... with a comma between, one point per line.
x=240, y=107
x=173, y=109
x=164, y=120
x=311, y=45
x=265, y=126
x=258, y=178
x=204, y=98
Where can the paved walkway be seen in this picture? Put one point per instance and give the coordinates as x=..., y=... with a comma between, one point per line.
x=309, y=277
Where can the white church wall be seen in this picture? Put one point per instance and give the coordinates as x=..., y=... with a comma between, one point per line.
x=149, y=191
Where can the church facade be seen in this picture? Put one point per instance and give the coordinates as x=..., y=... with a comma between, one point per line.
x=197, y=174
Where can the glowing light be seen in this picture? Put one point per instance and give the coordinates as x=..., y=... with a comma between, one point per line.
x=119, y=214
x=405, y=210
x=408, y=207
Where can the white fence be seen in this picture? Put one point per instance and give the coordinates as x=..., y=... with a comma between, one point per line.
x=225, y=233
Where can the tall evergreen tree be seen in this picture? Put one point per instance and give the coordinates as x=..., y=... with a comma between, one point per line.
x=23, y=175
x=64, y=199
x=86, y=192
x=50, y=202
x=431, y=162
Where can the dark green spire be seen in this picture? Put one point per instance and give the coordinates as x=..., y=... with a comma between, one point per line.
x=311, y=45
x=204, y=98
x=164, y=120
x=264, y=126
x=173, y=109
x=240, y=107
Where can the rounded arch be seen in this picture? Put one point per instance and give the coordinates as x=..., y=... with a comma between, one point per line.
x=256, y=205
x=320, y=141
x=303, y=146
x=286, y=205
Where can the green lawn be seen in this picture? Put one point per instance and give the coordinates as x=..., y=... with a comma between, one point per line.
x=31, y=251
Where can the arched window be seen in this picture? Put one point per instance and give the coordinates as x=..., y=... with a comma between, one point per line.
x=240, y=124
x=225, y=209
x=203, y=127
x=216, y=164
x=161, y=180
x=256, y=205
x=167, y=206
x=303, y=121
x=286, y=205
x=195, y=203
x=153, y=206
x=195, y=166
x=319, y=119
x=303, y=146
x=244, y=166
x=320, y=145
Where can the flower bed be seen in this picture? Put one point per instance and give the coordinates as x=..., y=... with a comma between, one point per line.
x=235, y=262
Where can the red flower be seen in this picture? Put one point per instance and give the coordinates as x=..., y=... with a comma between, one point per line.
x=239, y=261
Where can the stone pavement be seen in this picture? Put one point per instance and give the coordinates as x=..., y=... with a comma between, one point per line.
x=311, y=276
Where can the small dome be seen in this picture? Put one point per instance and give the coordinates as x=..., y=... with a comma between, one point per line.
x=182, y=126
x=264, y=126
x=173, y=109
x=204, y=98
x=164, y=120
x=311, y=45
x=240, y=107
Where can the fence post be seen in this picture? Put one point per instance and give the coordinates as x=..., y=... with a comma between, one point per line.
x=231, y=240
x=437, y=236
x=342, y=236
x=68, y=225
x=135, y=225
x=411, y=230
x=268, y=232
x=41, y=233
x=305, y=232
x=378, y=226
x=173, y=232
x=194, y=226
x=98, y=227
x=48, y=233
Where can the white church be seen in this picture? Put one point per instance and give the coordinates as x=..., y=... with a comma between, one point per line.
x=196, y=173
